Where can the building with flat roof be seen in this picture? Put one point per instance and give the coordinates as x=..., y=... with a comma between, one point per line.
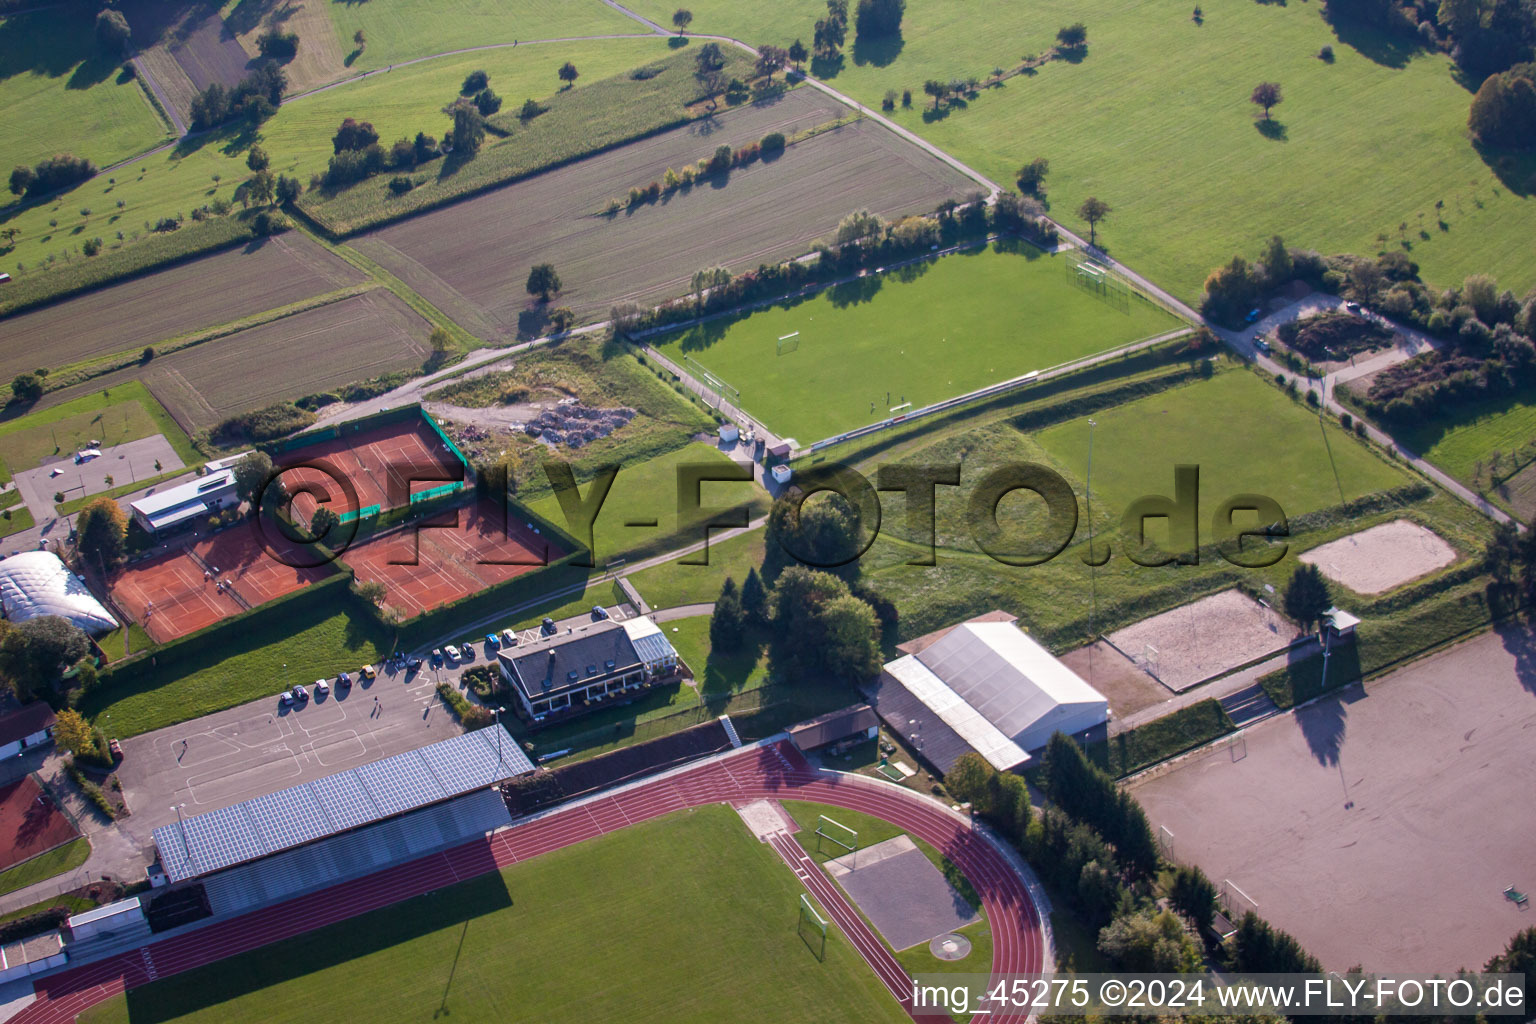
x=175, y=507
x=586, y=667
x=983, y=685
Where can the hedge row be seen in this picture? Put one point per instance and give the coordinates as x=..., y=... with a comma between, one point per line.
x=471, y=715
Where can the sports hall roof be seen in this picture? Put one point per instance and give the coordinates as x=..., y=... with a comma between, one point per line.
x=359, y=796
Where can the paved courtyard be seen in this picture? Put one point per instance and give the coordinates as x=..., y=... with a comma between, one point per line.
x=1379, y=826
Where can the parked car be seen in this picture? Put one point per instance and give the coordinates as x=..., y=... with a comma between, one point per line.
x=1261, y=345
x=599, y=612
x=412, y=663
x=467, y=650
x=86, y=455
x=492, y=641
x=452, y=654
x=116, y=749
x=548, y=627
x=300, y=694
x=285, y=698
x=343, y=680
x=367, y=672
x=1253, y=314
x=322, y=687
x=437, y=656
x=1353, y=307
x=509, y=638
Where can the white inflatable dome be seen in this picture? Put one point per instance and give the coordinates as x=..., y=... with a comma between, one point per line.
x=37, y=583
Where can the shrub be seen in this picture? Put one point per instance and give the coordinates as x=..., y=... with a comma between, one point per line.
x=27, y=387
x=470, y=715
x=283, y=46
x=888, y=102
x=474, y=82
x=92, y=791
x=264, y=424
x=59, y=171
x=1325, y=54
x=531, y=109
x=91, y=246
x=400, y=184
x=147, y=354
x=773, y=142
x=487, y=102
x=167, y=224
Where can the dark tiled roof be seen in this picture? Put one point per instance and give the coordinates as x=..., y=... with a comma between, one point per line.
x=19, y=724
x=590, y=652
x=896, y=706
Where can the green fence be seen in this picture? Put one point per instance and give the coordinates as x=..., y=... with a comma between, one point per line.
x=438, y=492
x=359, y=513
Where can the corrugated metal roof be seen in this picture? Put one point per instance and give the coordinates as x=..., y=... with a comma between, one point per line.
x=1006, y=676
x=955, y=712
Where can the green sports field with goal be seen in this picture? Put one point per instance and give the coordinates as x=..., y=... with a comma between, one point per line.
x=914, y=334
x=685, y=918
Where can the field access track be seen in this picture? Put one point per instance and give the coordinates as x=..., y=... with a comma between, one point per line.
x=187, y=297
x=181, y=592
x=775, y=772
x=765, y=212
x=450, y=556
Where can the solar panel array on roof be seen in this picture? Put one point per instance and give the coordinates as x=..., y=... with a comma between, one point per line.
x=313, y=810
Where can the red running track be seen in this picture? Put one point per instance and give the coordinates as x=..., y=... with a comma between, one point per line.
x=773, y=772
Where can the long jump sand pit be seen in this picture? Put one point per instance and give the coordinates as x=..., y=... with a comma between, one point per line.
x=1204, y=639
x=1386, y=556
x=1378, y=827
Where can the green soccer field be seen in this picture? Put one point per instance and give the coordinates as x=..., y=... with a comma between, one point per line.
x=683, y=919
x=918, y=334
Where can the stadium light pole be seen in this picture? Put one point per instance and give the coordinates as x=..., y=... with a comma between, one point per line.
x=181, y=822
x=1093, y=581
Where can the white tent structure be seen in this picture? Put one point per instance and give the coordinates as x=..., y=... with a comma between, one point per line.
x=37, y=583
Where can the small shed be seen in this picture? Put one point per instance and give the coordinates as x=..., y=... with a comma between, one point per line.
x=780, y=449
x=116, y=919
x=856, y=722
x=729, y=432
x=1339, y=626
x=781, y=473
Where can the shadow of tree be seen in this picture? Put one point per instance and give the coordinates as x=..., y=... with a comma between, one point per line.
x=1272, y=129
x=827, y=67
x=1515, y=170
x=1519, y=639
x=860, y=289
x=531, y=323
x=880, y=51
x=1374, y=44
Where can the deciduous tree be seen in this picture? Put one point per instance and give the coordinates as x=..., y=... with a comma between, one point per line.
x=876, y=18
x=112, y=32
x=543, y=281
x=1032, y=176
x=1306, y=598
x=798, y=53
x=568, y=74
x=681, y=19
x=770, y=59
x=1093, y=210
x=101, y=529
x=1266, y=95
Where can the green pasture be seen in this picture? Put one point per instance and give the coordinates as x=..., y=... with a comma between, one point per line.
x=404, y=31
x=124, y=412
x=46, y=865
x=643, y=907
x=916, y=334
x=1155, y=120
x=60, y=95
x=649, y=491
x=297, y=140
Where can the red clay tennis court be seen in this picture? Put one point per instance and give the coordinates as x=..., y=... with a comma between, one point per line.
x=385, y=465
x=30, y=823
x=448, y=561
x=219, y=576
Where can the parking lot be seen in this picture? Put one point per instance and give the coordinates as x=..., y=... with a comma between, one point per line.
x=263, y=746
